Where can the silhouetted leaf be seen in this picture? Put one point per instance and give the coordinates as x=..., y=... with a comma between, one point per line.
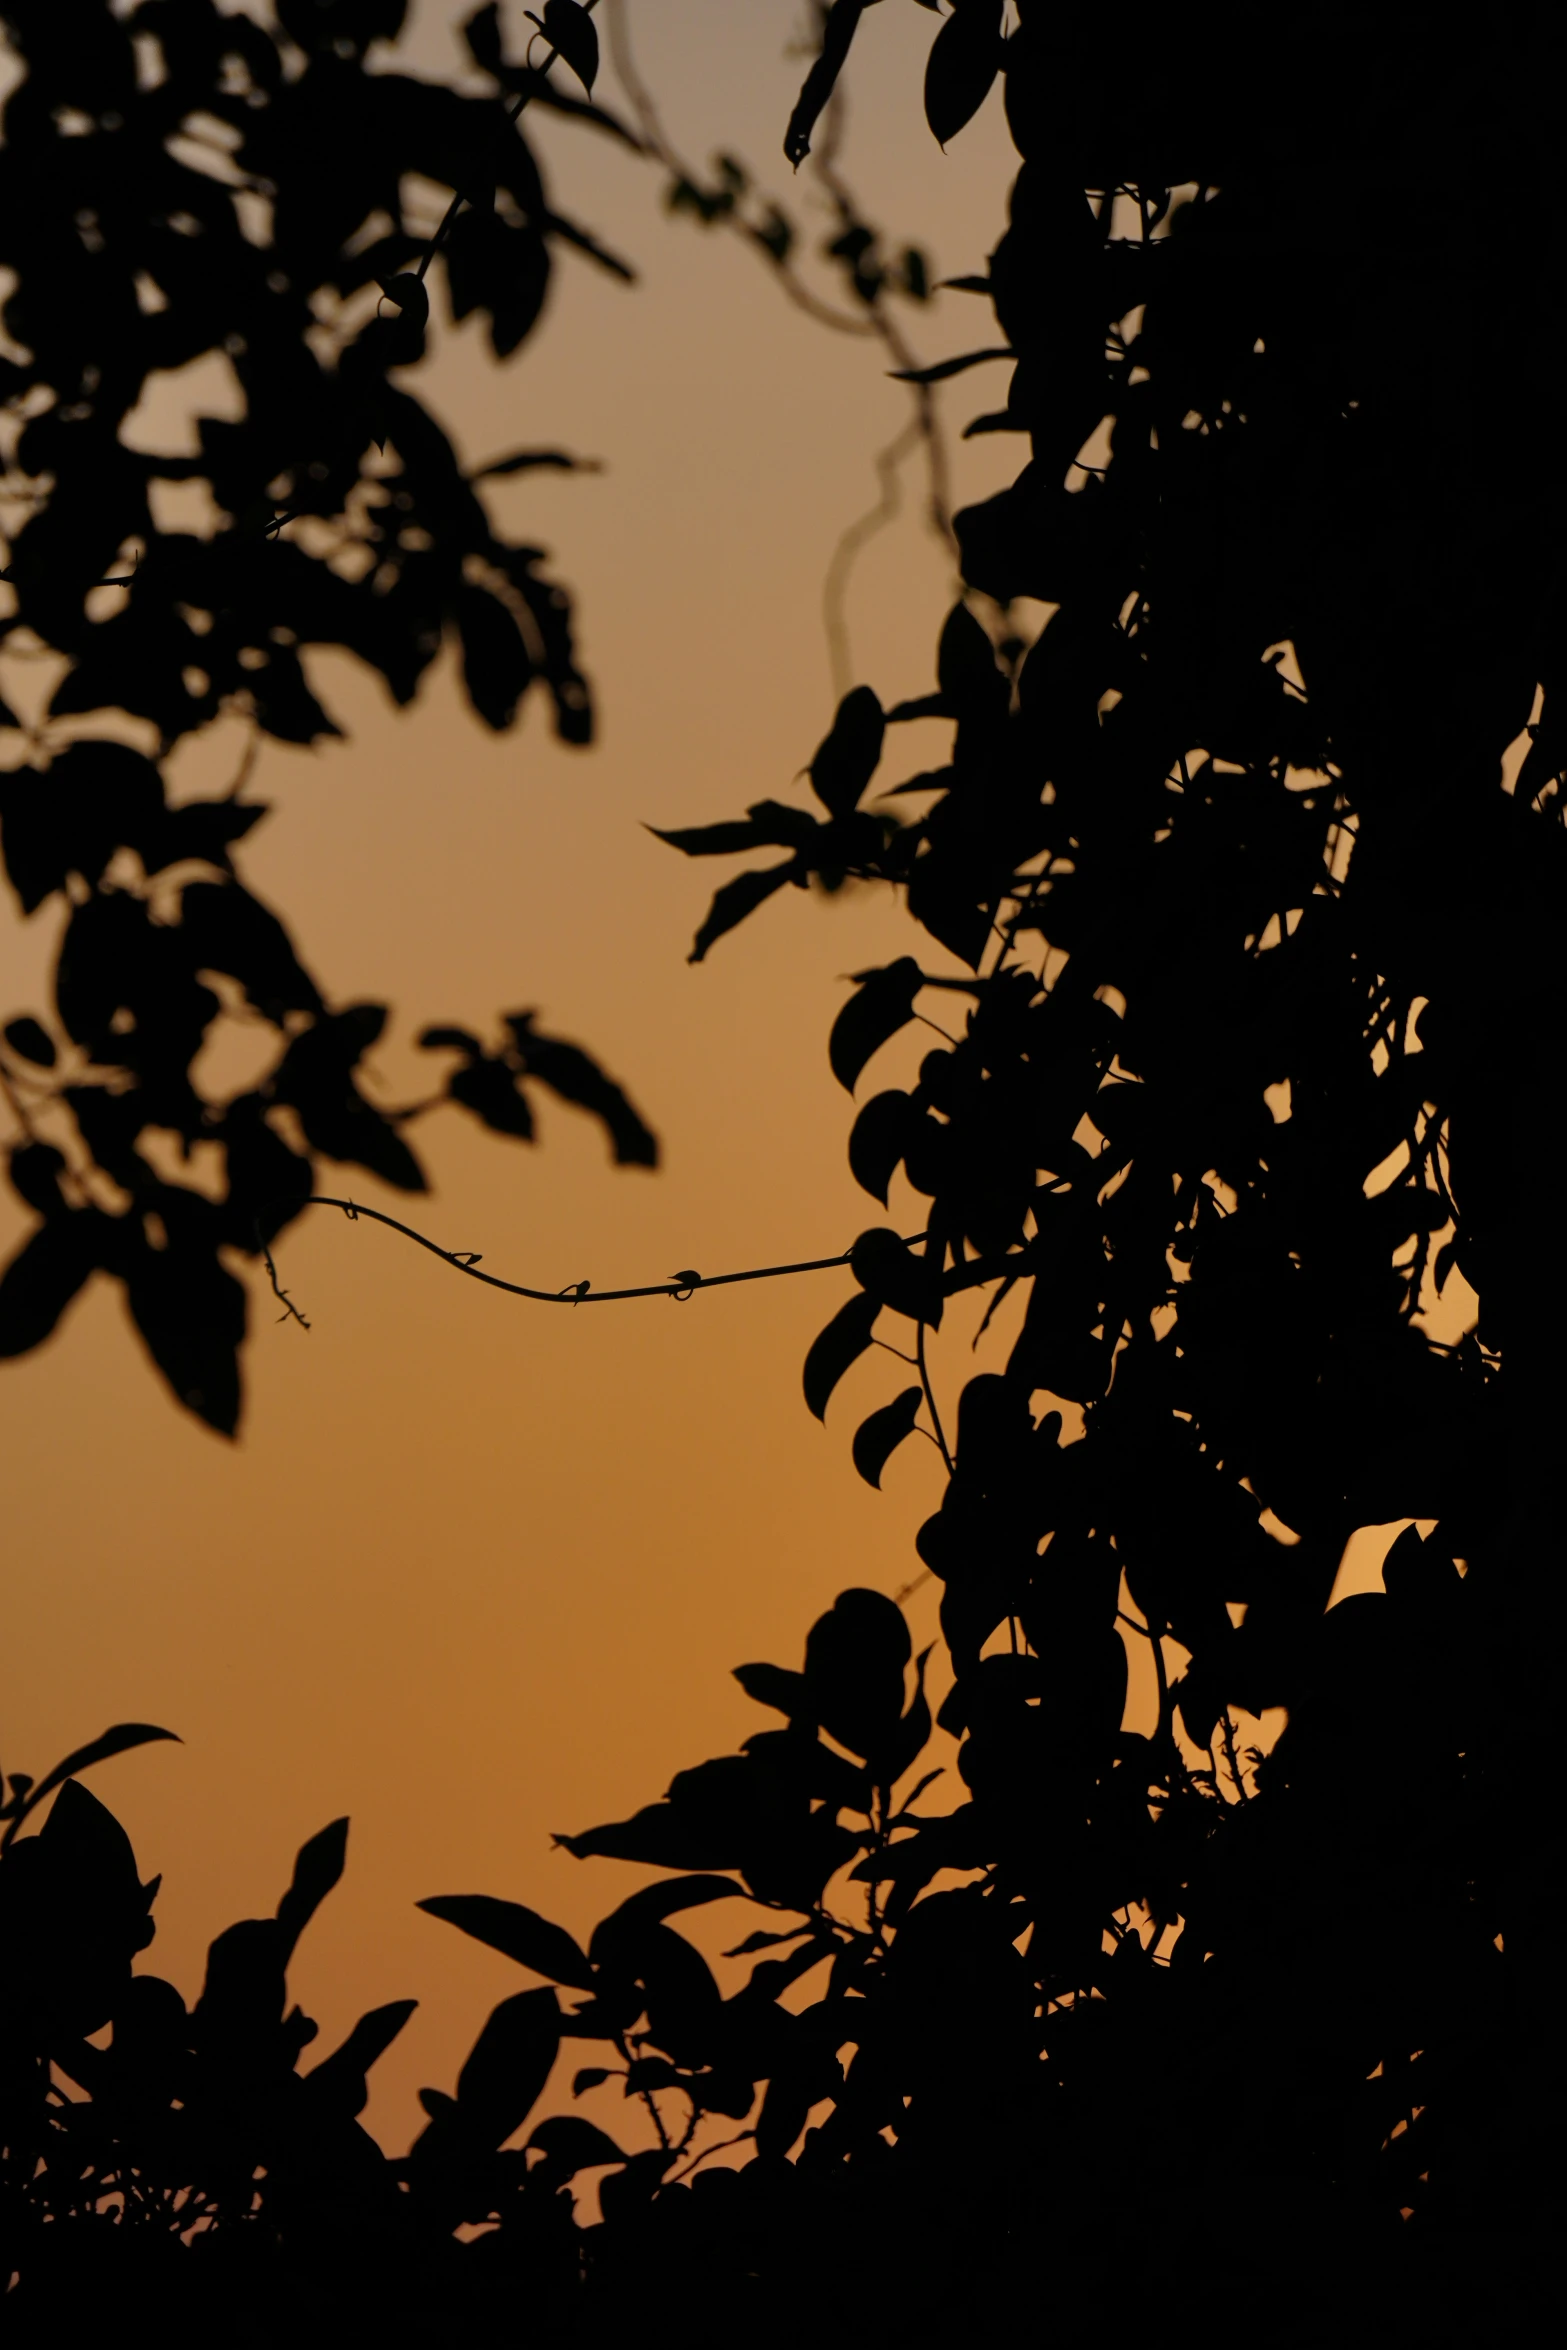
x=657, y=1902
x=965, y=58
x=785, y=2110
x=496, y=667
x=571, y=2144
x=226, y=929
x=971, y=682
x=191, y=1312
x=941, y=370
x=845, y=1339
x=520, y=1933
x=32, y=1040
x=409, y=294
x=771, y=1685
x=877, y=1142
x=491, y=1091
x=121, y=1739
x=762, y=1940
x=43, y=1277
x=535, y=461
x=576, y=1077
x=317, y=1869
x=316, y=1076
x=878, y=1438
x=735, y=901
x=850, y=753
x=883, y=1005
x=339, y=2081
x=769, y=824
x=570, y=29
x=855, y=1656
x=890, y=1272
x=660, y=1833
x=510, y=2062
x=459, y=1040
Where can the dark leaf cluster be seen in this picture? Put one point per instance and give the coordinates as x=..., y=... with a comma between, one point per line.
x=181, y=185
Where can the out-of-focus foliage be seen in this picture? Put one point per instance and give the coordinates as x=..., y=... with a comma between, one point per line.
x=183, y=187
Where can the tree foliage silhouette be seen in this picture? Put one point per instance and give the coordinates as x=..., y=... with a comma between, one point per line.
x=1245, y=876
x=181, y=185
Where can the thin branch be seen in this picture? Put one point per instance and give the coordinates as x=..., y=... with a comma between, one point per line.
x=582, y=1293
x=1227, y=1731
x=290, y=1310
x=930, y=1398
x=876, y=322
x=846, y=553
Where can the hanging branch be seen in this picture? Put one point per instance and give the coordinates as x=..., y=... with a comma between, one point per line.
x=874, y=318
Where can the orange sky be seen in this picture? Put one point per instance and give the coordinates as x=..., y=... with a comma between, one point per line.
x=477, y=1570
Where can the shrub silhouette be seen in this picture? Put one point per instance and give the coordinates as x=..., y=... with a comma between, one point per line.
x=1243, y=884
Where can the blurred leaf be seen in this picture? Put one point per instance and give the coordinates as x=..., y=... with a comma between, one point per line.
x=577, y=1078
x=316, y=1076
x=32, y=1040
x=495, y=664
x=410, y=295
x=43, y=1277
x=490, y=1089
x=535, y=461
x=761, y=1940
x=458, y=1040
x=850, y=753
x=191, y=1312
x=35, y=1170
x=736, y=900
x=941, y=370
x=570, y=2144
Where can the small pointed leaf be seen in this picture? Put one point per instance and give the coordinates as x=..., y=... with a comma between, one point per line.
x=878, y=1438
